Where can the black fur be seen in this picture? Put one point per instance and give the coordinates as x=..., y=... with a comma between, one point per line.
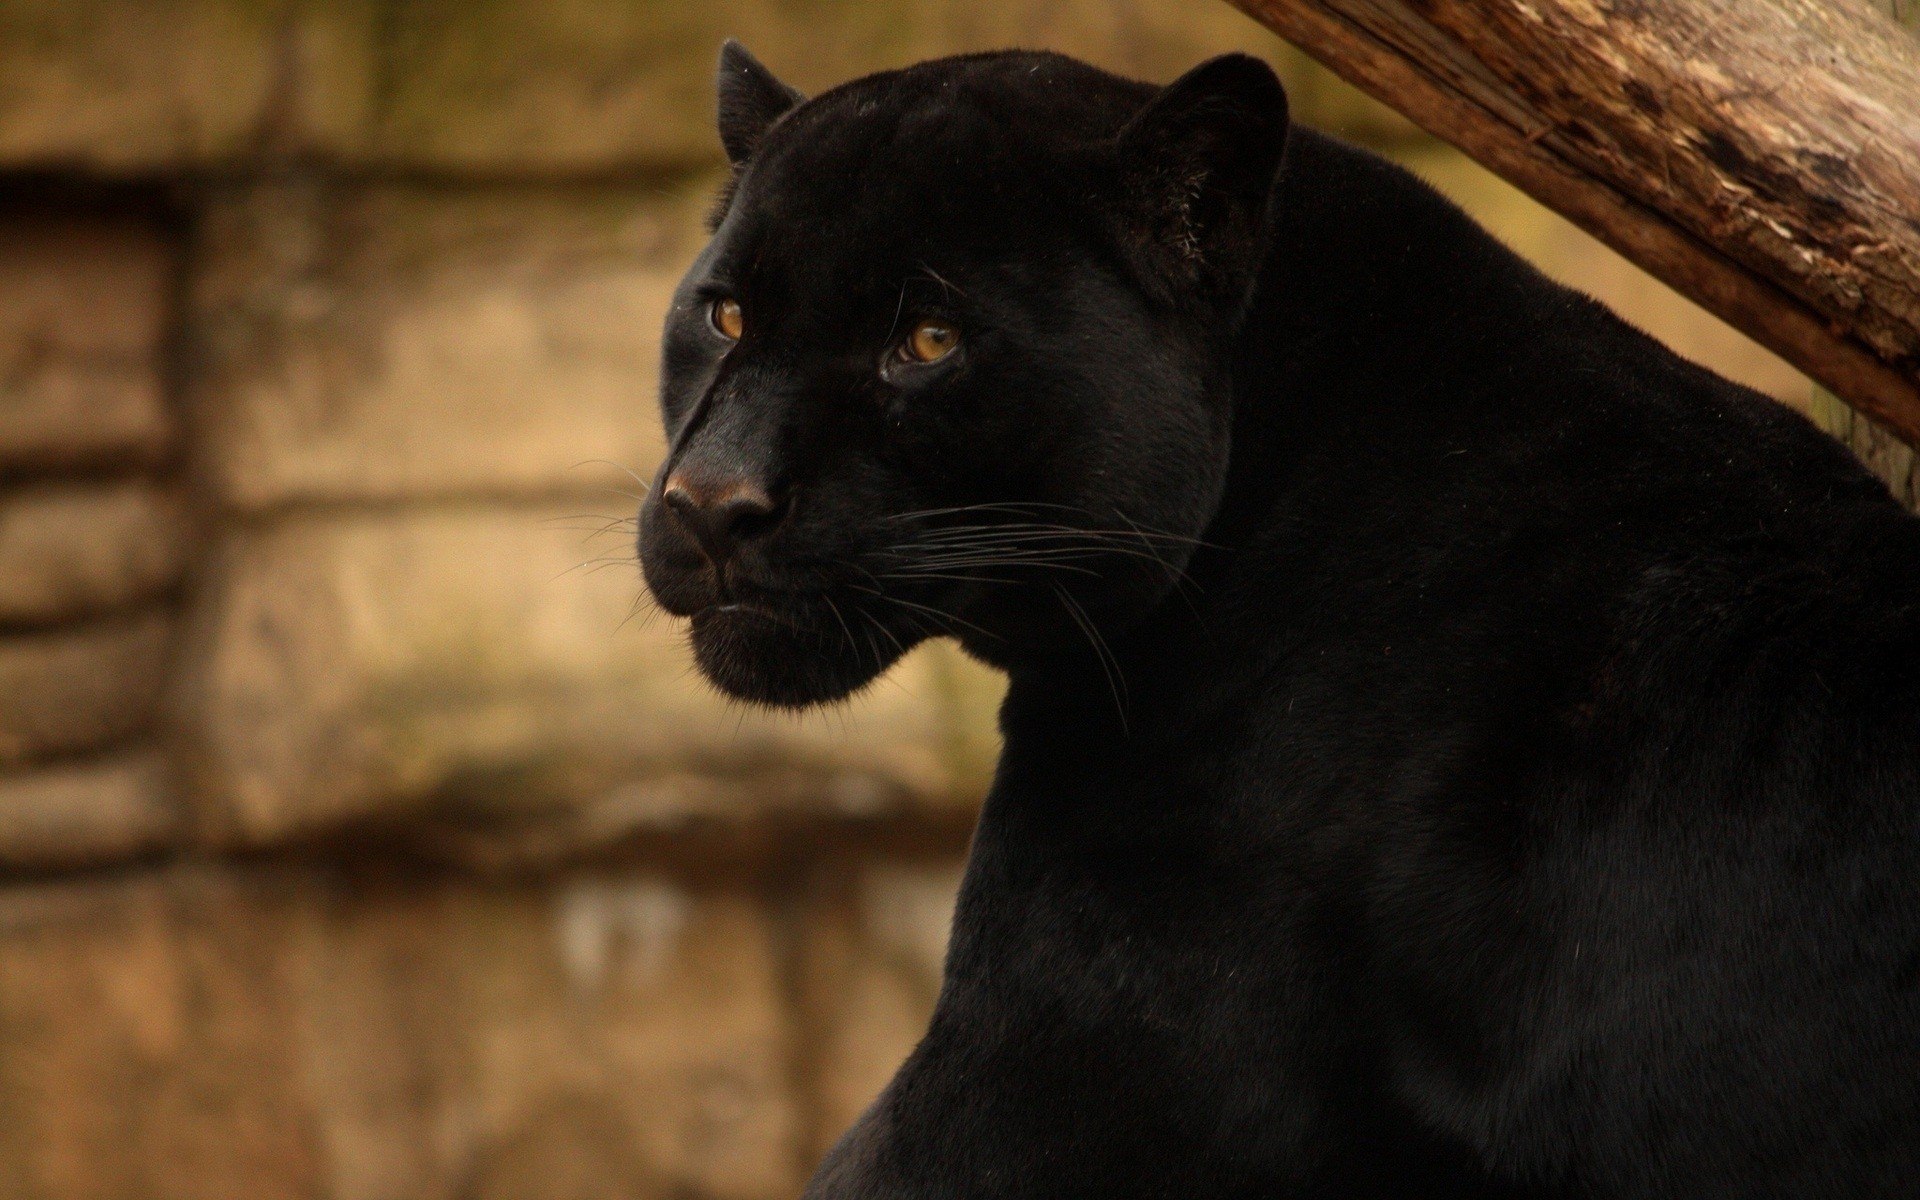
x=750, y=99
x=1453, y=748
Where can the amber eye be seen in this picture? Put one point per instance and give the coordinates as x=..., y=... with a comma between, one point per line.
x=930, y=341
x=725, y=315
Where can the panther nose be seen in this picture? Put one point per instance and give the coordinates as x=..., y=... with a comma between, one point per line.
x=722, y=518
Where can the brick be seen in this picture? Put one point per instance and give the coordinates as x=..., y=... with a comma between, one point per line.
x=398, y=342
x=75, y=549
x=83, y=285
x=873, y=946
x=80, y=689
x=148, y=1048
x=586, y=83
x=456, y=660
x=66, y=413
x=298, y=1031
x=601, y=1034
x=82, y=314
x=100, y=811
x=114, y=87
x=565, y=86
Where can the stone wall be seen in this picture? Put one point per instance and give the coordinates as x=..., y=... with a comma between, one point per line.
x=94, y=534
x=363, y=835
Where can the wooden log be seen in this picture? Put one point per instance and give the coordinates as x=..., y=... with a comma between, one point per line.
x=1760, y=156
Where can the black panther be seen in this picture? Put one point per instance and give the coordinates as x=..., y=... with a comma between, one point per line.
x=1453, y=746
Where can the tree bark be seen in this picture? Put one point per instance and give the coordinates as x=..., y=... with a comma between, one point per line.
x=1760, y=156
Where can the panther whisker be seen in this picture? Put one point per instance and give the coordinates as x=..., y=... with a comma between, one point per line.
x=1054, y=549
x=1038, y=528
x=607, y=462
x=942, y=575
x=835, y=609
x=1110, y=541
x=882, y=627
x=996, y=560
x=987, y=506
x=643, y=602
x=594, y=566
x=627, y=520
x=930, y=610
x=1022, y=508
x=624, y=525
x=1109, y=664
x=1032, y=556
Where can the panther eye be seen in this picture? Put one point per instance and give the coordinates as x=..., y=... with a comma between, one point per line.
x=726, y=318
x=930, y=341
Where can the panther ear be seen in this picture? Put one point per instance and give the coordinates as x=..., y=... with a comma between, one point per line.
x=1197, y=165
x=751, y=100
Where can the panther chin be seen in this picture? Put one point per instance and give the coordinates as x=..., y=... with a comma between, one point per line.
x=790, y=660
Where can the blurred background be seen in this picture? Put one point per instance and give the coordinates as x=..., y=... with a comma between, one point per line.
x=363, y=836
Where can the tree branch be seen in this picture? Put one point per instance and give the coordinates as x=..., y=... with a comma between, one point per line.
x=1760, y=156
